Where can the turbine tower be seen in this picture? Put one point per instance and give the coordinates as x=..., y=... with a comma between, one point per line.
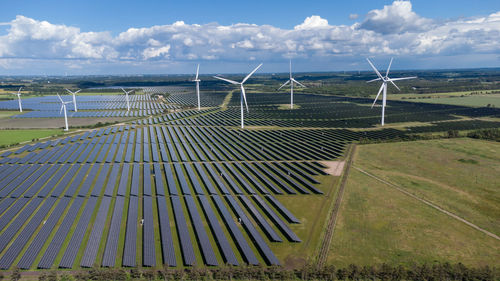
x=291, y=80
x=63, y=106
x=197, y=85
x=383, y=87
x=74, y=97
x=126, y=97
x=242, y=95
x=18, y=94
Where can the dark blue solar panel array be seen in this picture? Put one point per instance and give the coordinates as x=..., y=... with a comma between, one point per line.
x=75, y=196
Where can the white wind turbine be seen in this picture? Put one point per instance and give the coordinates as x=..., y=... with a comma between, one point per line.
x=74, y=98
x=291, y=80
x=126, y=97
x=18, y=94
x=383, y=87
x=197, y=85
x=63, y=106
x=242, y=95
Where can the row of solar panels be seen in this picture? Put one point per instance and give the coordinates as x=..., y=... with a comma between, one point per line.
x=171, y=144
x=85, y=114
x=73, y=175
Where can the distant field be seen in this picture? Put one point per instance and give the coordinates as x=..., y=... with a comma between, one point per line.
x=452, y=98
x=379, y=224
x=16, y=136
x=479, y=100
x=6, y=114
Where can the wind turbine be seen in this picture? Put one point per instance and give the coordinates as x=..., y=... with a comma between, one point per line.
x=242, y=95
x=197, y=85
x=291, y=80
x=383, y=87
x=74, y=97
x=63, y=106
x=126, y=97
x=19, y=99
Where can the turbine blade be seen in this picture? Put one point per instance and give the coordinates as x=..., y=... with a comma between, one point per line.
x=244, y=96
x=378, y=94
x=284, y=84
x=248, y=76
x=376, y=71
x=197, y=70
x=68, y=91
x=373, y=80
x=227, y=80
x=387, y=73
x=19, y=91
x=123, y=90
x=290, y=69
x=404, y=78
x=395, y=85
x=78, y=91
x=60, y=111
x=298, y=83
x=60, y=98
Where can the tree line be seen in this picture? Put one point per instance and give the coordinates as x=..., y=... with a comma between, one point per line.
x=441, y=271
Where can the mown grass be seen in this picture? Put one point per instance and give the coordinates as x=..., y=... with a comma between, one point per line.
x=379, y=224
x=8, y=137
x=453, y=98
x=312, y=211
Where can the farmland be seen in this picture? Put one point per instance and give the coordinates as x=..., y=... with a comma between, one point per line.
x=380, y=224
x=170, y=185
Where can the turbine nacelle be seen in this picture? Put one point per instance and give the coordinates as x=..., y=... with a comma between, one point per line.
x=383, y=88
x=291, y=80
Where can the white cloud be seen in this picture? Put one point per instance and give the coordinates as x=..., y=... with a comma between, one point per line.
x=394, y=30
x=156, y=52
x=353, y=16
x=312, y=22
x=395, y=18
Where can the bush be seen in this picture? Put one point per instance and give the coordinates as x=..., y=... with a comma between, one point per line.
x=486, y=134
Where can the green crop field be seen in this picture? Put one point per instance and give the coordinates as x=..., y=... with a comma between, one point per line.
x=452, y=98
x=8, y=137
x=377, y=223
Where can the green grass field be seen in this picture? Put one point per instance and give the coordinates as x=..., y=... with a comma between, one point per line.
x=378, y=223
x=476, y=101
x=452, y=98
x=7, y=114
x=8, y=137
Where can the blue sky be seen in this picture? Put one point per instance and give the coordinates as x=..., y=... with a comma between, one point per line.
x=93, y=37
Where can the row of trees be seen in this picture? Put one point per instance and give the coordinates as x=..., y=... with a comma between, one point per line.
x=444, y=271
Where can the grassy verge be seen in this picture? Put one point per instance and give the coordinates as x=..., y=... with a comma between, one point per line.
x=8, y=137
x=380, y=224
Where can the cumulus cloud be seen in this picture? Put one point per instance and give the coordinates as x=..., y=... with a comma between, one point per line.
x=312, y=22
x=396, y=18
x=394, y=30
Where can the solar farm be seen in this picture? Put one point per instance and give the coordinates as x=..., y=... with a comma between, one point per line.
x=173, y=185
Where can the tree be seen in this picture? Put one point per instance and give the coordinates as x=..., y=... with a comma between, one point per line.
x=16, y=274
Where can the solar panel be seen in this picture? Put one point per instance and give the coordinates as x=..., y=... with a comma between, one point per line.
x=80, y=230
x=182, y=230
x=201, y=235
x=94, y=240
x=129, y=252
x=15, y=248
x=259, y=242
x=148, y=249
x=235, y=232
x=36, y=245
x=55, y=245
x=110, y=250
